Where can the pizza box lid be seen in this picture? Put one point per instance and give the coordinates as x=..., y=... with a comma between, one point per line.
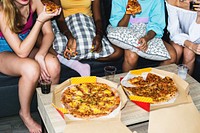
x=182, y=85
x=183, y=118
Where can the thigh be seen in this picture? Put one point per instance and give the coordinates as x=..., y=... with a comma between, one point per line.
x=188, y=55
x=13, y=65
x=178, y=48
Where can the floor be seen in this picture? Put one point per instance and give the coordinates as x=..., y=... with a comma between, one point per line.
x=14, y=124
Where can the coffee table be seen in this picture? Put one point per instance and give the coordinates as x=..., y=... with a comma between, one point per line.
x=135, y=118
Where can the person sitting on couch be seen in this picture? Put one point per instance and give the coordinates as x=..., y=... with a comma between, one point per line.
x=20, y=57
x=79, y=35
x=144, y=27
x=184, y=27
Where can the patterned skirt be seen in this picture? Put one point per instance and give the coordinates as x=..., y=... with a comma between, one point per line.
x=83, y=29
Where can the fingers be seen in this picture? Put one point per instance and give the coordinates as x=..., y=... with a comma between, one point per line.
x=45, y=76
x=143, y=45
x=69, y=53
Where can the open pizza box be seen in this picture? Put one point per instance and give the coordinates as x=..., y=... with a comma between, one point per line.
x=108, y=124
x=183, y=118
x=182, y=86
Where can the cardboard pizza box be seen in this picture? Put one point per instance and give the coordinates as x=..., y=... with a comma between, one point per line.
x=108, y=125
x=182, y=85
x=182, y=118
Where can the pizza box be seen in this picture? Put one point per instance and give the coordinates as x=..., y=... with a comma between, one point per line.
x=183, y=118
x=182, y=86
x=108, y=124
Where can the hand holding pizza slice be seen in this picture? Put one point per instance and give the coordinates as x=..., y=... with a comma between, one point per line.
x=133, y=7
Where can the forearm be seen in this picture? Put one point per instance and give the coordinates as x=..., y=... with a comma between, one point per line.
x=150, y=35
x=124, y=21
x=97, y=17
x=46, y=43
x=25, y=46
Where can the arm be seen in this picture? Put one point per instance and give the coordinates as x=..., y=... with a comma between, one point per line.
x=23, y=48
x=118, y=16
x=157, y=18
x=71, y=44
x=98, y=24
x=176, y=34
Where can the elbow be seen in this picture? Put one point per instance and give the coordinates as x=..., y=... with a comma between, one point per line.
x=22, y=54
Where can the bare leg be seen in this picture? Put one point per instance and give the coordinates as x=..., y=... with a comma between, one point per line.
x=29, y=72
x=179, y=51
x=116, y=55
x=52, y=64
x=189, y=59
x=130, y=61
x=53, y=67
x=172, y=53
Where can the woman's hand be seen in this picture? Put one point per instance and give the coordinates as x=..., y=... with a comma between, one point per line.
x=70, y=50
x=192, y=46
x=44, y=72
x=143, y=44
x=44, y=16
x=96, y=44
x=196, y=6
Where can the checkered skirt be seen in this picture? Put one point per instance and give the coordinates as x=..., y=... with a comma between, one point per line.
x=83, y=29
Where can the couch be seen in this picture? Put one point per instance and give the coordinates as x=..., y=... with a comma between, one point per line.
x=9, y=102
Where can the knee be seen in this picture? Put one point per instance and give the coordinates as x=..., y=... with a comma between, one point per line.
x=54, y=67
x=173, y=58
x=118, y=52
x=31, y=70
x=131, y=58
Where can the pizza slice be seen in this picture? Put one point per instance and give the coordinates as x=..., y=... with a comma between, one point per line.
x=133, y=7
x=51, y=7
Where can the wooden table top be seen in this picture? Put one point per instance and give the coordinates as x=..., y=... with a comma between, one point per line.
x=132, y=115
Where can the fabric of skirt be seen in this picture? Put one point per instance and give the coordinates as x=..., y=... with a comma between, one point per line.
x=83, y=29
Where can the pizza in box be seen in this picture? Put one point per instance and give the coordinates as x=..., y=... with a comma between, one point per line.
x=150, y=85
x=90, y=100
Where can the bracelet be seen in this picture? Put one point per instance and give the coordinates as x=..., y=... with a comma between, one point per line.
x=39, y=21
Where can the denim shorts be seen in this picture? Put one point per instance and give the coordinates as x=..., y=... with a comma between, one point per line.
x=4, y=46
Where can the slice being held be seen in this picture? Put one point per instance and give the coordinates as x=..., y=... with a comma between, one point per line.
x=51, y=7
x=133, y=7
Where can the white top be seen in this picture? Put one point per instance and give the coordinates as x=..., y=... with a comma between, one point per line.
x=182, y=25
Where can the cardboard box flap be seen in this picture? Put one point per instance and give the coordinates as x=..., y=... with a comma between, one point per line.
x=101, y=126
x=179, y=119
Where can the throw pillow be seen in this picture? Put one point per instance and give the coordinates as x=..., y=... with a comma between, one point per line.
x=127, y=38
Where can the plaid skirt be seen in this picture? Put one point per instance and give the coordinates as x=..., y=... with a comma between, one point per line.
x=83, y=29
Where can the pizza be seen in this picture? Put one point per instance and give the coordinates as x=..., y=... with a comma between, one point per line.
x=133, y=7
x=90, y=100
x=51, y=7
x=155, y=87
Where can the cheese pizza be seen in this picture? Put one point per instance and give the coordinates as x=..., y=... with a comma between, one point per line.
x=133, y=7
x=51, y=7
x=90, y=100
x=155, y=87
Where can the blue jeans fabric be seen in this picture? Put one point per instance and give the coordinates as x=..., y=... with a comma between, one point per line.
x=4, y=46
